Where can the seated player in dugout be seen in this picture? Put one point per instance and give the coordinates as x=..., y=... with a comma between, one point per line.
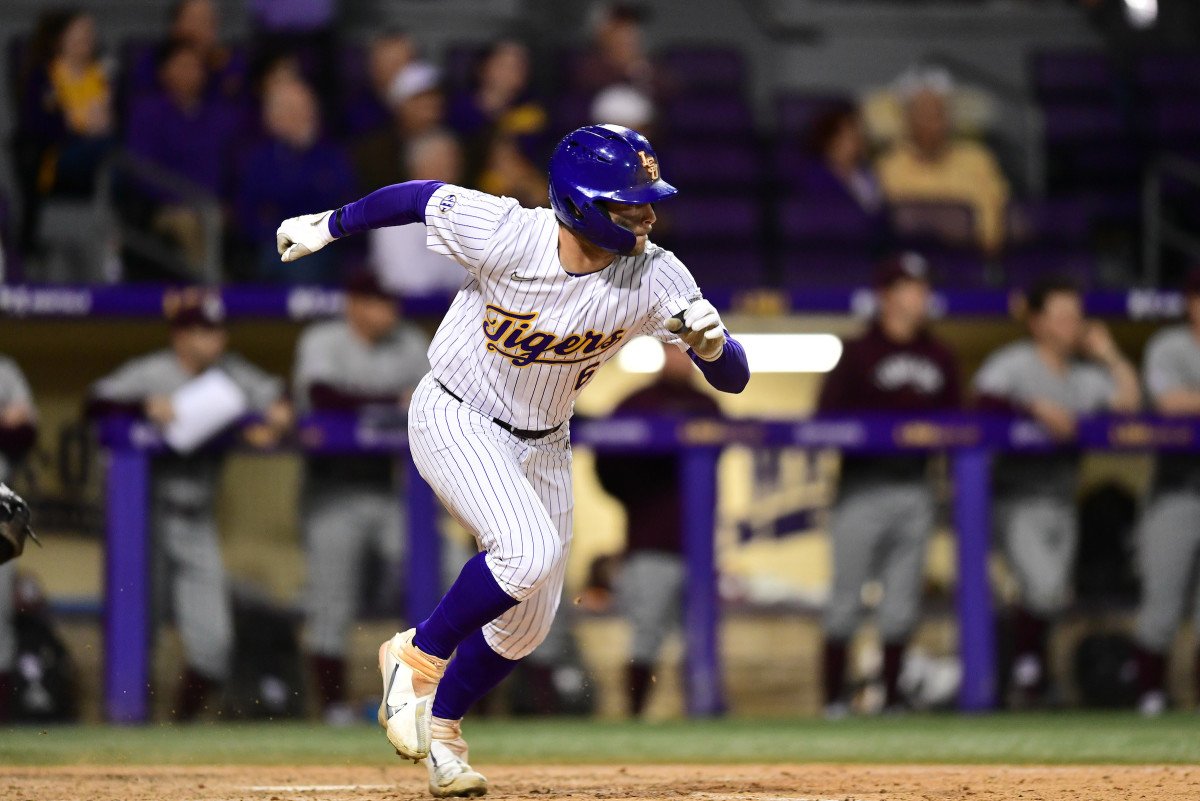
x=368, y=362
x=18, y=433
x=551, y=295
x=884, y=512
x=649, y=586
x=1068, y=367
x=1169, y=536
x=189, y=579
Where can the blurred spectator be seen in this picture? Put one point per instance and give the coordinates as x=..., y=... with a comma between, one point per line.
x=1169, y=545
x=367, y=363
x=65, y=119
x=1130, y=27
x=650, y=583
x=189, y=578
x=624, y=105
x=291, y=172
x=302, y=28
x=1035, y=517
x=617, y=54
x=884, y=513
x=182, y=129
x=387, y=56
x=417, y=106
x=499, y=103
x=198, y=23
x=398, y=254
x=931, y=166
x=508, y=173
x=18, y=431
x=838, y=171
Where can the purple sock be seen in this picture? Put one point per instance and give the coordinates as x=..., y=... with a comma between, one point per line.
x=472, y=674
x=474, y=600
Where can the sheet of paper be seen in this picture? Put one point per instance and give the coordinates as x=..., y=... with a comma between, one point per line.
x=204, y=407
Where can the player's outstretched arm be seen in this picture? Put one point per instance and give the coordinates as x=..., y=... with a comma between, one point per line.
x=719, y=356
x=398, y=204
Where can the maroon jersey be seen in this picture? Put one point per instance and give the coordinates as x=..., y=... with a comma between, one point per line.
x=648, y=486
x=876, y=374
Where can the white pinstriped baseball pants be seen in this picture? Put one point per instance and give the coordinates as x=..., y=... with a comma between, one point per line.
x=514, y=495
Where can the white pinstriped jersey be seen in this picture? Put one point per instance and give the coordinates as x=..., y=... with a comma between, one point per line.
x=523, y=336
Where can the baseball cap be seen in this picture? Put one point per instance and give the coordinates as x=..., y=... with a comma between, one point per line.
x=195, y=308
x=365, y=283
x=909, y=265
x=623, y=105
x=415, y=79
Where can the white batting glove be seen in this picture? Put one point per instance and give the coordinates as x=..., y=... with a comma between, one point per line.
x=300, y=236
x=701, y=328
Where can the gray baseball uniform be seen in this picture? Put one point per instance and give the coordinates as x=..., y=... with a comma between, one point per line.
x=1169, y=541
x=189, y=576
x=14, y=389
x=1035, y=511
x=351, y=507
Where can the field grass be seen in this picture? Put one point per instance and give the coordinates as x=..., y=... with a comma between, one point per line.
x=1074, y=738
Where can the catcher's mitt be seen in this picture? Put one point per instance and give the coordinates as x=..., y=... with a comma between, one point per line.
x=14, y=525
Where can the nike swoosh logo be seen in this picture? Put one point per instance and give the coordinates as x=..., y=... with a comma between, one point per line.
x=387, y=697
x=516, y=277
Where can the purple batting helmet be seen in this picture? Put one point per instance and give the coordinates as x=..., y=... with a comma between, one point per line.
x=603, y=162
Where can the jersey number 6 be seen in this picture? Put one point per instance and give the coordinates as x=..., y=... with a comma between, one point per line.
x=585, y=375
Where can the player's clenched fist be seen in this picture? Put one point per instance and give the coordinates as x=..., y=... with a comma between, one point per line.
x=300, y=236
x=701, y=328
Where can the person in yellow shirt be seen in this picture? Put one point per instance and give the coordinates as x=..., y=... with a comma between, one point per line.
x=931, y=165
x=80, y=83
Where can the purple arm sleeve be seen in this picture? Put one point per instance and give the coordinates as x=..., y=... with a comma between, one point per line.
x=729, y=372
x=398, y=204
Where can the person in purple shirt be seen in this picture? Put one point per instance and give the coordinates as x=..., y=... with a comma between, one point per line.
x=368, y=107
x=837, y=172
x=180, y=127
x=198, y=23
x=280, y=176
x=884, y=512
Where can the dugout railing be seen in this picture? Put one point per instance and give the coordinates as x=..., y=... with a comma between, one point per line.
x=968, y=440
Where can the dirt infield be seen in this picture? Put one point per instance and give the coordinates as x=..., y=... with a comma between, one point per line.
x=568, y=783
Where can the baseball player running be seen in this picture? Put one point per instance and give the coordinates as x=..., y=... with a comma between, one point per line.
x=549, y=298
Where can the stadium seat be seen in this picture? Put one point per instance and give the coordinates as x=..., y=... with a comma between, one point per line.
x=706, y=70
x=824, y=222
x=795, y=113
x=1164, y=75
x=945, y=224
x=1023, y=267
x=713, y=165
x=1066, y=221
x=721, y=115
x=726, y=267
x=1072, y=75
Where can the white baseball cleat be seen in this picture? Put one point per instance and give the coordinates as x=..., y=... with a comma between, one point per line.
x=450, y=775
x=410, y=678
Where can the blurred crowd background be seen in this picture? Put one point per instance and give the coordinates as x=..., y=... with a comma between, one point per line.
x=892, y=155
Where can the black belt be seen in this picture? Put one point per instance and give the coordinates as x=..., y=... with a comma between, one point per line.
x=523, y=433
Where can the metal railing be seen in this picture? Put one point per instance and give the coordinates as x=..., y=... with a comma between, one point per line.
x=1159, y=232
x=146, y=174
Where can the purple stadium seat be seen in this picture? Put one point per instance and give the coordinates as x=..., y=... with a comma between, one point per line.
x=726, y=268
x=1069, y=123
x=956, y=269
x=458, y=63
x=842, y=268
x=708, y=165
x=1169, y=74
x=572, y=110
x=352, y=69
x=1023, y=267
x=705, y=70
x=723, y=115
x=795, y=114
x=1174, y=122
x=949, y=224
x=789, y=163
x=1072, y=74
x=685, y=219
x=807, y=220
x=1063, y=221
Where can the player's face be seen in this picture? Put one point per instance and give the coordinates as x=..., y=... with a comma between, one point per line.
x=200, y=345
x=638, y=218
x=1060, y=323
x=374, y=317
